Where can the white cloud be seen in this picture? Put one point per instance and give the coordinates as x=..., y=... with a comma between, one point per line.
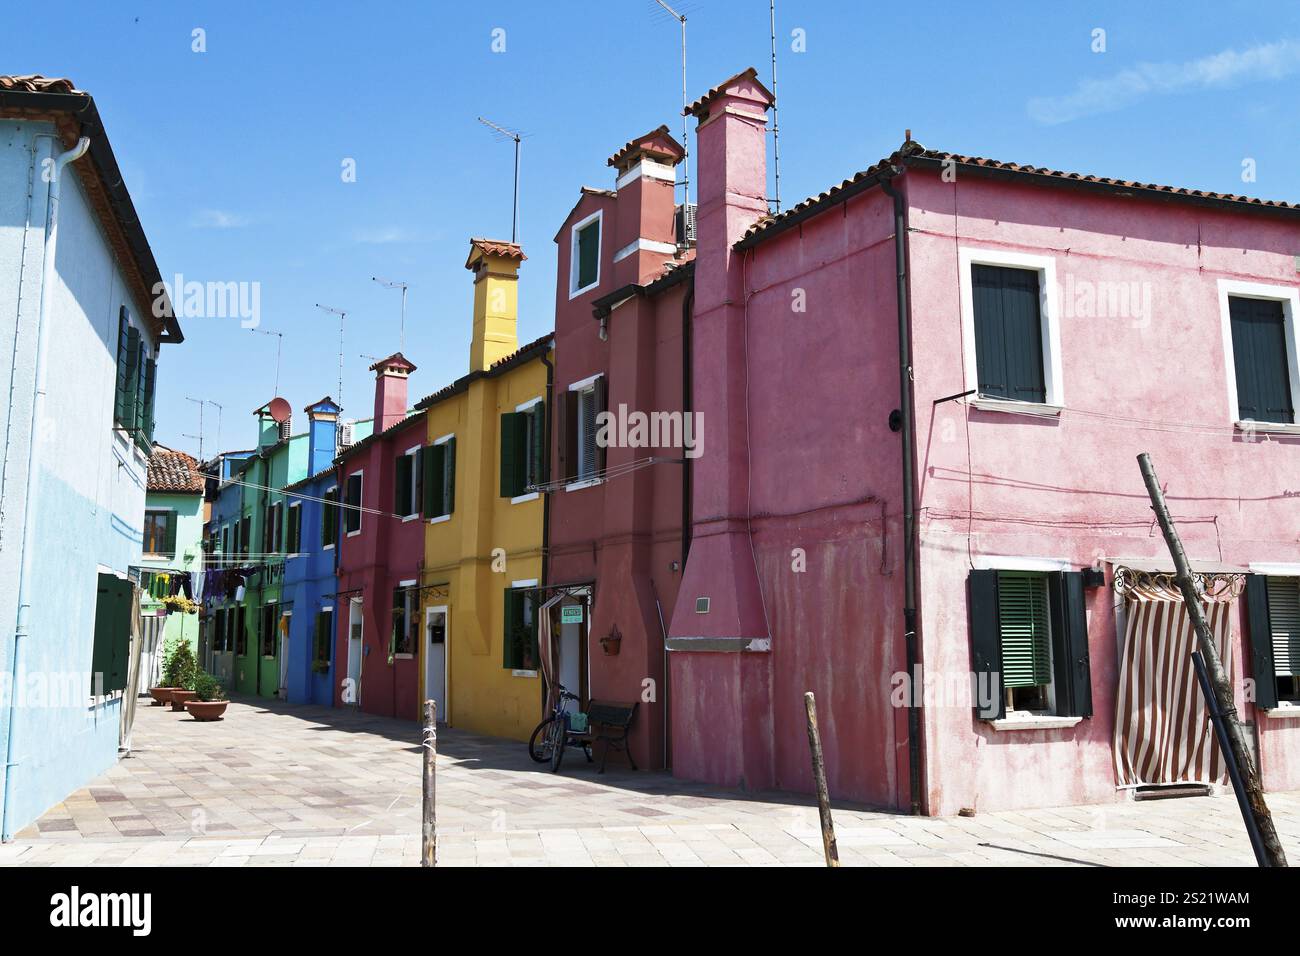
x=1268, y=61
x=385, y=235
x=217, y=219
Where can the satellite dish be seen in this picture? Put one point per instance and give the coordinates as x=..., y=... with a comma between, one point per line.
x=279, y=409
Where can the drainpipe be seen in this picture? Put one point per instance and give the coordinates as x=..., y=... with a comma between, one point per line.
x=26, y=553
x=907, y=427
x=546, y=495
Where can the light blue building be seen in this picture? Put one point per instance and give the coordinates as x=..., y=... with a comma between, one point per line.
x=82, y=316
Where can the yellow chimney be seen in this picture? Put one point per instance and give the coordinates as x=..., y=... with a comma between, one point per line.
x=496, y=300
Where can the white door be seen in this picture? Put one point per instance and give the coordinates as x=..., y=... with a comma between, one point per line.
x=354, y=652
x=435, y=659
x=287, y=624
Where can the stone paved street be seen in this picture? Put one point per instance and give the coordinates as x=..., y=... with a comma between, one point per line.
x=276, y=785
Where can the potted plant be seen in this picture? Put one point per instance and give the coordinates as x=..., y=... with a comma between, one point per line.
x=209, y=702
x=612, y=642
x=162, y=694
x=181, y=675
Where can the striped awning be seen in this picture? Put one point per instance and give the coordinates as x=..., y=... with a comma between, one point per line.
x=1163, y=733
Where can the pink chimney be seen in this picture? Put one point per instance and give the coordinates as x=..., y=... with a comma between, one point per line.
x=391, y=376
x=720, y=604
x=644, y=233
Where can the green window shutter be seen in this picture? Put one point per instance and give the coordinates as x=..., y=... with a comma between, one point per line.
x=1072, y=667
x=566, y=424
x=513, y=425
x=449, y=476
x=514, y=619
x=1261, y=641
x=169, y=532
x=1259, y=356
x=1024, y=621
x=537, y=444
x=123, y=366
x=1284, y=623
x=1008, y=333
x=132, y=386
x=986, y=646
x=431, y=488
x=112, y=642
x=147, y=408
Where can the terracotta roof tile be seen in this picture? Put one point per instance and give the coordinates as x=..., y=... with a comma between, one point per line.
x=500, y=365
x=658, y=142
x=397, y=359
x=495, y=247
x=174, y=472
x=912, y=153
x=35, y=83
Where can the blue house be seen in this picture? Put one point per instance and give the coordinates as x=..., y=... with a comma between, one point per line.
x=83, y=313
x=309, y=573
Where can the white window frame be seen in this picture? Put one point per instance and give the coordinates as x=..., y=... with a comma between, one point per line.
x=338, y=517
x=597, y=217
x=1289, y=296
x=515, y=586
x=442, y=441
x=584, y=385
x=410, y=600
x=530, y=495
x=1049, y=317
x=362, y=497
x=415, y=484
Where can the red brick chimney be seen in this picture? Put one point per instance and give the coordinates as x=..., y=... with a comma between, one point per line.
x=391, y=377
x=644, y=236
x=719, y=606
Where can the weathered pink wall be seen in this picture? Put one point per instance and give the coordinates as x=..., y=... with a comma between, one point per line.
x=1069, y=488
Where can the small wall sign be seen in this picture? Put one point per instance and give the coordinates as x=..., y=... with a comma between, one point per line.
x=571, y=614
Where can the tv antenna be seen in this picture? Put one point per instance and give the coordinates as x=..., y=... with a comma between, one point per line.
x=394, y=284
x=686, y=151
x=342, y=315
x=279, y=342
x=199, y=402
x=516, y=136
x=776, y=127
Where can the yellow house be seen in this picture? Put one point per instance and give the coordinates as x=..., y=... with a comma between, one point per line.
x=483, y=547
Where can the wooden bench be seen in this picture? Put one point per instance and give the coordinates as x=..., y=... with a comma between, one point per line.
x=610, y=721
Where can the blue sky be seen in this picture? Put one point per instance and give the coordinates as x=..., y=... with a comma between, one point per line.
x=233, y=156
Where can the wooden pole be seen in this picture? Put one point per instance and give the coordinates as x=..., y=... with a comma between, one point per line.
x=819, y=776
x=429, y=814
x=1273, y=854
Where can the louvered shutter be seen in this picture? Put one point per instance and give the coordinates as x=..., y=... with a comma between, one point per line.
x=431, y=468
x=1284, y=624
x=588, y=254
x=986, y=646
x=123, y=366
x=1259, y=355
x=1261, y=641
x=566, y=423
x=150, y=390
x=1008, y=333
x=169, y=532
x=537, y=438
x=600, y=401
x=1024, y=620
x=449, y=475
x=1071, y=662
x=513, y=430
x=132, y=394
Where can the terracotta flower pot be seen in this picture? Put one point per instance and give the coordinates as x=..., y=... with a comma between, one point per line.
x=179, y=697
x=161, y=695
x=611, y=645
x=206, y=709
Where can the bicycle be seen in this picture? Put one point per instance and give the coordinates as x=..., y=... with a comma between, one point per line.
x=553, y=734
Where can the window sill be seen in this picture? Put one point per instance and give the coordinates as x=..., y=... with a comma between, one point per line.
x=1010, y=406
x=520, y=499
x=403, y=657
x=522, y=673
x=439, y=519
x=1268, y=428
x=1025, y=721
x=1285, y=710
x=353, y=534
x=414, y=517
x=579, y=485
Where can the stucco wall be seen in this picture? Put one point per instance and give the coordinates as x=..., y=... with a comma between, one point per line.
x=92, y=482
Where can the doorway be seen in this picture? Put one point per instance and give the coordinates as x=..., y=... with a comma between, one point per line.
x=286, y=623
x=352, y=690
x=435, y=659
x=575, y=666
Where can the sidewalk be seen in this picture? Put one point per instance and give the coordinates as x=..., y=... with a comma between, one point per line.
x=277, y=785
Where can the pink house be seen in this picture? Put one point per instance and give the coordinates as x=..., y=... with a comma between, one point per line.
x=967, y=509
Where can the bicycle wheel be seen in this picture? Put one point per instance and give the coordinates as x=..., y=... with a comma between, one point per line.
x=539, y=744
x=559, y=735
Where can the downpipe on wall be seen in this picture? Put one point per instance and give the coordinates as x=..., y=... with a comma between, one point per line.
x=907, y=427
x=30, y=508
